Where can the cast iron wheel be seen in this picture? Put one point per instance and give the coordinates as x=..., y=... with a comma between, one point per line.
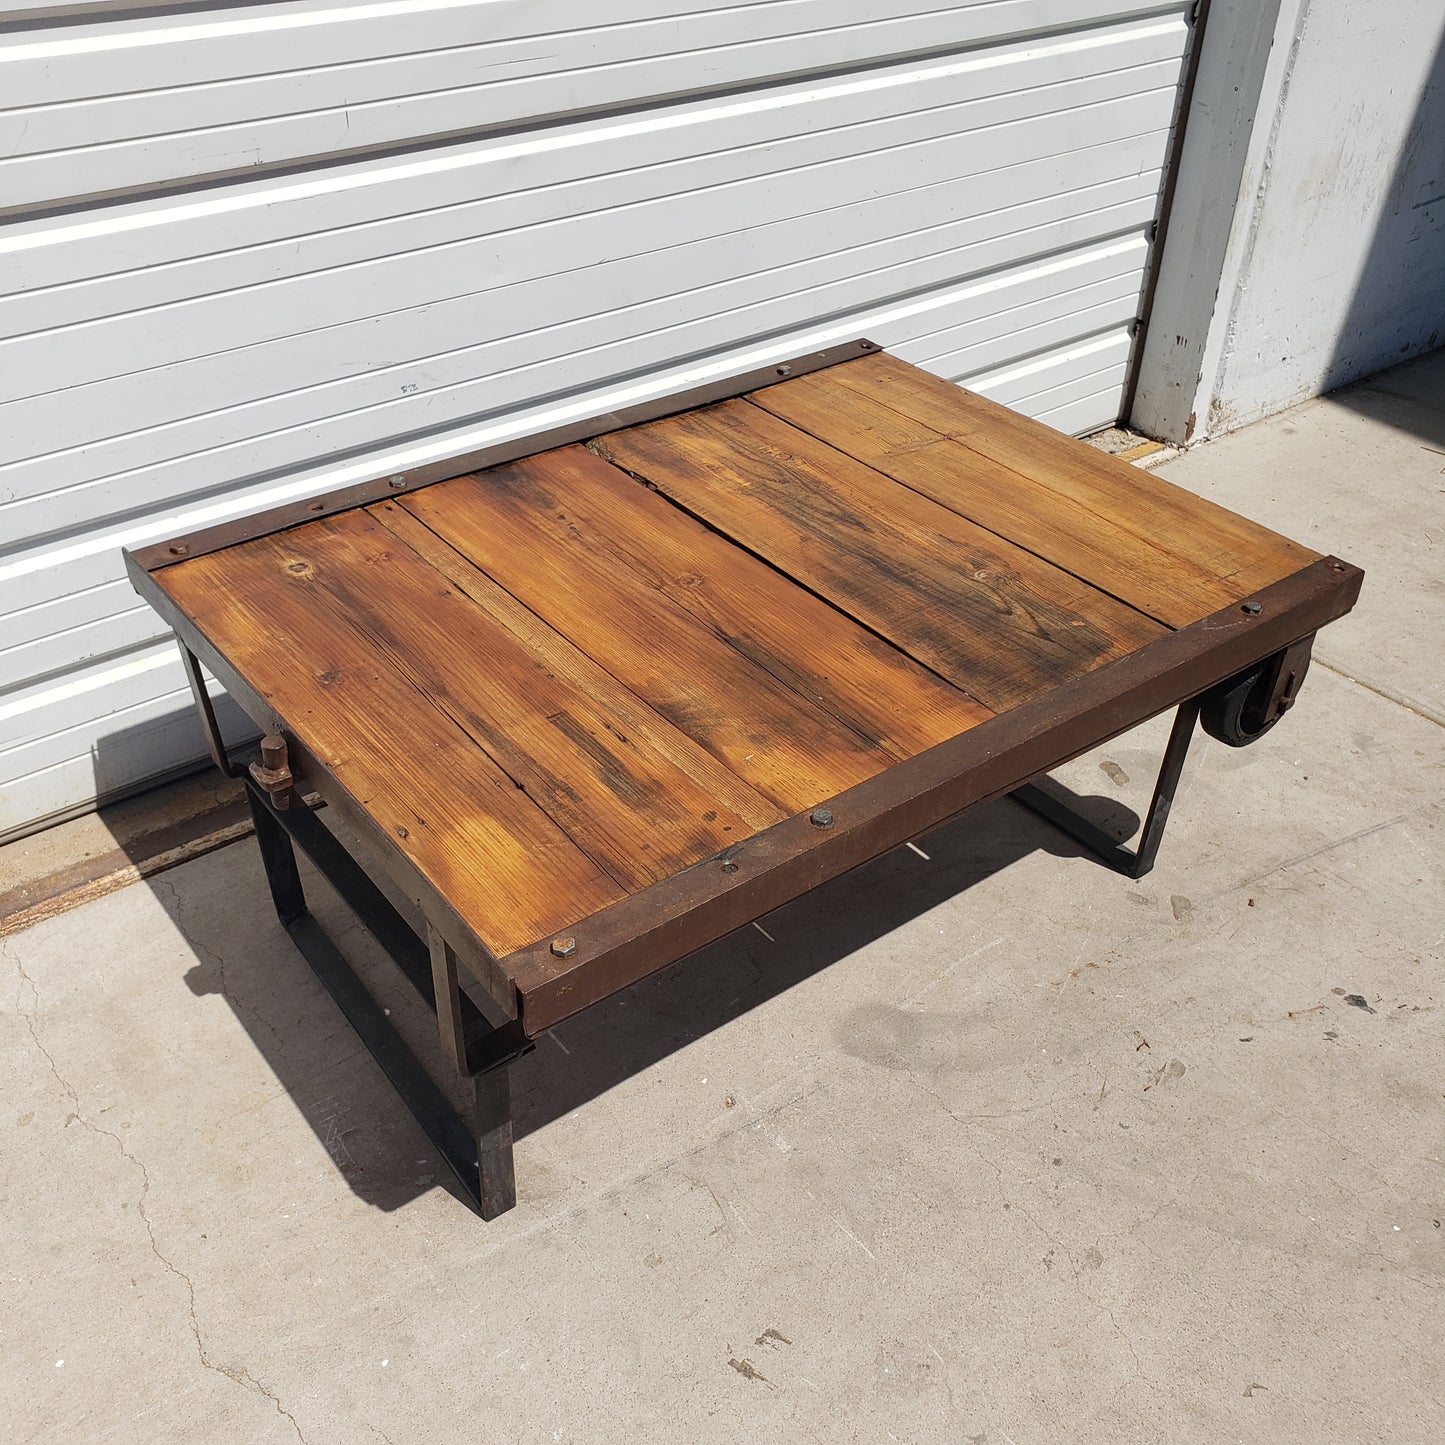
x=1242, y=710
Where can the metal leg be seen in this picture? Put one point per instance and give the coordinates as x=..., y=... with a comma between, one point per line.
x=497, y=1183
x=279, y=859
x=1136, y=862
x=212, y=729
x=480, y=1156
x=447, y=995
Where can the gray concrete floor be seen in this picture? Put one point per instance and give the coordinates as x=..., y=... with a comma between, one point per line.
x=988, y=1146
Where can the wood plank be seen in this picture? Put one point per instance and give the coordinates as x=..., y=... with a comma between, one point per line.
x=1241, y=554
x=505, y=867
x=989, y=617
x=1072, y=534
x=807, y=645
x=577, y=669
x=632, y=811
x=647, y=930
x=506, y=521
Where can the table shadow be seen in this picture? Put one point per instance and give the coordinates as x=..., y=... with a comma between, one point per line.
x=366, y=1129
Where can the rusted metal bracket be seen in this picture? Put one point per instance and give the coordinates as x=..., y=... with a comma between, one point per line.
x=1283, y=681
x=273, y=773
x=1243, y=708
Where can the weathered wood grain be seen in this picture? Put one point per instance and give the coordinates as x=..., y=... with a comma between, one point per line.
x=508, y=522
x=506, y=868
x=807, y=645
x=990, y=617
x=567, y=662
x=634, y=812
x=1240, y=554
x=1096, y=544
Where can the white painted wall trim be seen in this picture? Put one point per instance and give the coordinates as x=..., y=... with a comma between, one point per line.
x=1240, y=78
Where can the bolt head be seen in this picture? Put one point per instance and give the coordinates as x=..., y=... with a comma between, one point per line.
x=1253, y=608
x=821, y=817
x=564, y=947
x=785, y=371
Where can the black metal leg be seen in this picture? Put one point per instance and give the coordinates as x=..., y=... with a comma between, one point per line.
x=206, y=711
x=480, y=1156
x=1132, y=862
x=498, y=1183
x=279, y=859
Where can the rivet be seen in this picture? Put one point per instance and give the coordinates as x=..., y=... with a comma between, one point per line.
x=1253, y=608
x=1337, y=566
x=396, y=482
x=821, y=817
x=866, y=345
x=317, y=507
x=728, y=866
x=564, y=947
x=179, y=551
x=785, y=371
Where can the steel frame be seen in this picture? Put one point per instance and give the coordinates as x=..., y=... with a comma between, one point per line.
x=479, y=1155
x=1131, y=862
x=276, y=519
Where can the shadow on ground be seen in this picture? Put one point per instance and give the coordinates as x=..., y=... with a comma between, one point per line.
x=306, y=1043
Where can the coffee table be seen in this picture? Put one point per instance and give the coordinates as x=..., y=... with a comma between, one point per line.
x=592, y=699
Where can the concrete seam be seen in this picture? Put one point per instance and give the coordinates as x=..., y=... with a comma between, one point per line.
x=1381, y=691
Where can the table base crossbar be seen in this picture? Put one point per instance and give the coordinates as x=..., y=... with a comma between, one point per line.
x=480, y=1155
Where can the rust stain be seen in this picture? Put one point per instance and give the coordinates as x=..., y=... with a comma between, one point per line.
x=745, y=1369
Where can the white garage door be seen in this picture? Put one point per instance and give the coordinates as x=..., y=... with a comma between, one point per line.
x=258, y=251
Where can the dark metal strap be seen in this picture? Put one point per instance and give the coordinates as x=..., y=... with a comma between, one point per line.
x=1131, y=862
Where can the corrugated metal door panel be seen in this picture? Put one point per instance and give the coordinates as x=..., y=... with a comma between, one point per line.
x=182, y=357
x=130, y=721
x=530, y=308
x=134, y=102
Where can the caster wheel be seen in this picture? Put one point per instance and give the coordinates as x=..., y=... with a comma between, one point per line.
x=1242, y=710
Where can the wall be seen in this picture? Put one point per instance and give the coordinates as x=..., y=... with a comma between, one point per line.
x=1334, y=261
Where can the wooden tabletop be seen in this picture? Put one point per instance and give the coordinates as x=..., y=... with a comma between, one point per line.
x=575, y=677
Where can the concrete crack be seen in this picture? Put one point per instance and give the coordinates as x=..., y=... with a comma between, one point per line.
x=963, y=1121
x=244, y=1378
x=1133, y=1355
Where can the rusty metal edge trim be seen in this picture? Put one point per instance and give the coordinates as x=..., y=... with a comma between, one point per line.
x=668, y=920
x=184, y=548
x=313, y=775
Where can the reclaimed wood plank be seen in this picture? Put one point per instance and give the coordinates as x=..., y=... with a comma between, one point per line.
x=1092, y=543
x=632, y=811
x=1241, y=554
x=819, y=652
x=989, y=617
x=486, y=847
x=566, y=661
x=506, y=522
